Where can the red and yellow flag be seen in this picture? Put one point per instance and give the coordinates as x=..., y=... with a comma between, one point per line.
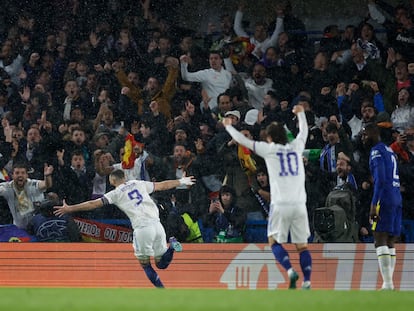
x=128, y=159
x=129, y=156
x=247, y=163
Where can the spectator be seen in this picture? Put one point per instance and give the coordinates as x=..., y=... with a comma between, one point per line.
x=225, y=215
x=154, y=137
x=139, y=157
x=224, y=104
x=78, y=141
x=72, y=99
x=292, y=25
x=11, y=61
x=260, y=40
x=22, y=193
x=345, y=179
x=322, y=74
x=217, y=40
x=154, y=90
x=261, y=190
x=403, y=147
x=214, y=80
x=257, y=85
x=367, y=40
x=108, y=64
x=47, y=227
x=337, y=142
x=368, y=114
x=34, y=150
x=176, y=165
x=403, y=115
x=400, y=36
x=74, y=178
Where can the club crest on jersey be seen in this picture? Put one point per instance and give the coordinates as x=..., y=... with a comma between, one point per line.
x=375, y=154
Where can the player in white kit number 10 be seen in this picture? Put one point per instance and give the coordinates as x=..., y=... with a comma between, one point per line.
x=288, y=213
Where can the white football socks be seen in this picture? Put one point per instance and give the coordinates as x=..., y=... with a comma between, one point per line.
x=384, y=261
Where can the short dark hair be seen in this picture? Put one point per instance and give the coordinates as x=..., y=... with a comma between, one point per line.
x=331, y=128
x=371, y=128
x=261, y=169
x=118, y=174
x=77, y=152
x=277, y=132
x=20, y=165
x=228, y=189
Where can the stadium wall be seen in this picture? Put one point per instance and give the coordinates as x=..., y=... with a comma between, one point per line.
x=226, y=266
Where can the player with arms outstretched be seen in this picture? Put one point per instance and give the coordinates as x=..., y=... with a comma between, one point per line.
x=288, y=213
x=133, y=198
x=386, y=204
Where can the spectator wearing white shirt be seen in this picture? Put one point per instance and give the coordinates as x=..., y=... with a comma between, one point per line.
x=214, y=81
x=260, y=39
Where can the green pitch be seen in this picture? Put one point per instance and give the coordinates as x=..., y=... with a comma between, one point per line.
x=122, y=299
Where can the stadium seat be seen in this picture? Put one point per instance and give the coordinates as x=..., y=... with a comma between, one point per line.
x=407, y=231
x=256, y=231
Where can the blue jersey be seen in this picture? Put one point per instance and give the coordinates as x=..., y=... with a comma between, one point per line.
x=387, y=195
x=383, y=166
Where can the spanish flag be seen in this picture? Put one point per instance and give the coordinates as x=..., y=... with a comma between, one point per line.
x=247, y=163
x=128, y=158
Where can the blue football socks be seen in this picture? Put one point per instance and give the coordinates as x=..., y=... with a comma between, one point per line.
x=165, y=259
x=153, y=276
x=281, y=256
x=306, y=264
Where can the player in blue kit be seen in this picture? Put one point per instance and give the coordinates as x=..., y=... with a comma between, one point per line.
x=386, y=204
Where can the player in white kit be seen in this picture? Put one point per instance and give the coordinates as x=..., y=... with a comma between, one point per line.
x=288, y=212
x=133, y=198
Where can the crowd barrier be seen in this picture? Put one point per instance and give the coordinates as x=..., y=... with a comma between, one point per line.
x=225, y=266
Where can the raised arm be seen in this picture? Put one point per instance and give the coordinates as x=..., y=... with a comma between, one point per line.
x=237, y=26
x=47, y=173
x=303, y=124
x=279, y=28
x=84, y=206
x=237, y=136
x=197, y=76
x=170, y=184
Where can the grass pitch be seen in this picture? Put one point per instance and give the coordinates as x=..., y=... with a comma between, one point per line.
x=122, y=299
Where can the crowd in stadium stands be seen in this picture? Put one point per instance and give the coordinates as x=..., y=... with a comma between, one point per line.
x=85, y=90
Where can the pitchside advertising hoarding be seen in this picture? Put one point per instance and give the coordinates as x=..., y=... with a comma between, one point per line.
x=226, y=266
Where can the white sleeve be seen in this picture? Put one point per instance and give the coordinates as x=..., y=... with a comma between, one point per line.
x=346, y=55
x=228, y=64
x=303, y=128
x=238, y=29
x=197, y=76
x=109, y=197
x=240, y=138
x=279, y=28
x=2, y=189
x=375, y=13
x=149, y=186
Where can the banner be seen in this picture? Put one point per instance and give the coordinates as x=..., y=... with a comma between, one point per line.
x=93, y=231
x=11, y=233
x=233, y=266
